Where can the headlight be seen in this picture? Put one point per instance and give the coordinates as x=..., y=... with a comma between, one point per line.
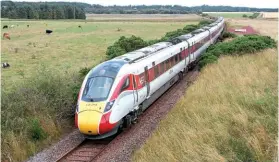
x=109, y=106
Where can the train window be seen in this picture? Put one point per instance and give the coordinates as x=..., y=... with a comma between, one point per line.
x=176, y=58
x=126, y=84
x=180, y=56
x=156, y=70
x=167, y=64
x=162, y=67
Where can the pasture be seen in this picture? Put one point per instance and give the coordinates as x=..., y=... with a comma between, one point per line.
x=68, y=48
x=143, y=17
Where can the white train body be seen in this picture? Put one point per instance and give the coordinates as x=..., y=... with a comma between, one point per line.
x=118, y=89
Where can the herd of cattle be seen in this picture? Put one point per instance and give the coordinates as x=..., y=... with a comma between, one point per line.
x=7, y=36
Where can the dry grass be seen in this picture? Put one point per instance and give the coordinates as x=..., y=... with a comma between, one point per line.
x=228, y=114
x=265, y=27
x=143, y=17
x=270, y=15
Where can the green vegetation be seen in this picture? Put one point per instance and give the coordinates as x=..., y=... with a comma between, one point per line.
x=238, y=46
x=255, y=15
x=228, y=35
x=124, y=45
x=42, y=10
x=54, y=10
x=228, y=114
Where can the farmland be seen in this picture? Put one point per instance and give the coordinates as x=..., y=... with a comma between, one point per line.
x=230, y=14
x=144, y=17
x=68, y=48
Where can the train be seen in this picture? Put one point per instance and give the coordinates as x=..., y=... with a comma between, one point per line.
x=115, y=92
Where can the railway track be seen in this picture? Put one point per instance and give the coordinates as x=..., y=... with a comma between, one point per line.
x=87, y=151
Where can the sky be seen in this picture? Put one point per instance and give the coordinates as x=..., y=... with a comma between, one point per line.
x=238, y=3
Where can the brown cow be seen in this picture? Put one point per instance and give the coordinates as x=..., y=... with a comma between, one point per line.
x=7, y=36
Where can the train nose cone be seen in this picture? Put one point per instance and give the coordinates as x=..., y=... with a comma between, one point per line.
x=88, y=122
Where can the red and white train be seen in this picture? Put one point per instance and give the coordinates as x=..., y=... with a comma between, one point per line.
x=115, y=92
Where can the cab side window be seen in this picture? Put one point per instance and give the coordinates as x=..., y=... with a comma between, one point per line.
x=126, y=84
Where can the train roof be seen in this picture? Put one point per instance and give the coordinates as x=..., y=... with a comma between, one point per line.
x=143, y=52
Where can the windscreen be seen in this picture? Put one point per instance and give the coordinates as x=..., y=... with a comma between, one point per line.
x=97, y=88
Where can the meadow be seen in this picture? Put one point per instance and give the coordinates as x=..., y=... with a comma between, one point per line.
x=68, y=48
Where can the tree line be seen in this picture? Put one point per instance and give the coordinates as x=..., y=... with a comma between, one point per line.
x=42, y=10
x=169, y=9
x=76, y=10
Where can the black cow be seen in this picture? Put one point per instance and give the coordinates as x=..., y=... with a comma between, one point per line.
x=48, y=31
x=5, y=65
x=5, y=27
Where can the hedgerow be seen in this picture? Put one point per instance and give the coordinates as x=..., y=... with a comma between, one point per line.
x=238, y=46
x=124, y=44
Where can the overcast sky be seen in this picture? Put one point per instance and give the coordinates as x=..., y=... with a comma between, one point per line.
x=239, y=3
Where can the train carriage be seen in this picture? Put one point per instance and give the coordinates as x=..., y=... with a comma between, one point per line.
x=116, y=92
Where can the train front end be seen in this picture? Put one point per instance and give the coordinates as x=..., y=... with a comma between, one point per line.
x=94, y=106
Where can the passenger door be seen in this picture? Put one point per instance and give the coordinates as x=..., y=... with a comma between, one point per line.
x=146, y=76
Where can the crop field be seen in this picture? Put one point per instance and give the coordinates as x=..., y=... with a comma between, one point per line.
x=230, y=14
x=143, y=17
x=68, y=48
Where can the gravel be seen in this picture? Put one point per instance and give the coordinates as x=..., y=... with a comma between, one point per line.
x=59, y=149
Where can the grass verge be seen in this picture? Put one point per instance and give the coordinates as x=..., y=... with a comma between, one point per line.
x=228, y=114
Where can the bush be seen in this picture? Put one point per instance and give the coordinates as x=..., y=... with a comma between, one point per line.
x=36, y=131
x=124, y=44
x=238, y=46
x=244, y=15
x=228, y=35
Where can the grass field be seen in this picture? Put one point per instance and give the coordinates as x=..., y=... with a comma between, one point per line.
x=228, y=114
x=230, y=14
x=68, y=48
x=143, y=17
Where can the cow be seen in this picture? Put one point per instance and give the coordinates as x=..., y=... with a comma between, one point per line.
x=12, y=26
x=48, y=31
x=5, y=65
x=7, y=36
x=5, y=27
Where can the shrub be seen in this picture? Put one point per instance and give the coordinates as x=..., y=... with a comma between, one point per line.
x=124, y=44
x=229, y=35
x=244, y=15
x=238, y=46
x=36, y=131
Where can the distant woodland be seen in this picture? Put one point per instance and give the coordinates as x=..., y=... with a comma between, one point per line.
x=73, y=10
x=42, y=10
